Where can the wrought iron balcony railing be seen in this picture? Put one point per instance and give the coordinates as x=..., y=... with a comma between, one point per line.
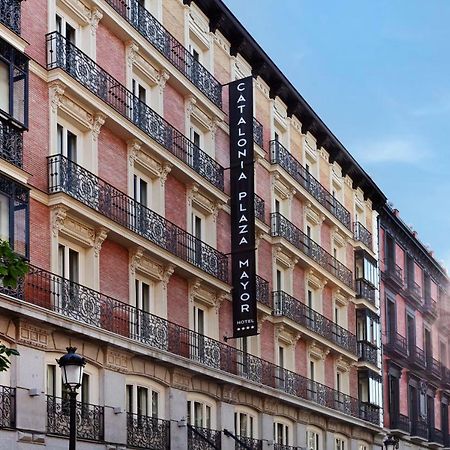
x=280, y=226
x=90, y=419
x=417, y=356
x=11, y=142
x=204, y=438
x=400, y=422
x=413, y=291
x=85, y=305
x=66, y=56
x=419, y=428
x=362, y=234
x=262, y=291
x=436, y=436
x=258, y=136
x=394, y=273
x=286, y=447
x=290, y=307
x=430, y=307
x=246, y=443
x=147, y=432
x=155, y=33
x=7, y=407
x=434, y=367
x=10, y=14
x=397, y=343
x=365, y=290
x=280, y=155
x=367, y=352
x=260, y=210
x=72, y=179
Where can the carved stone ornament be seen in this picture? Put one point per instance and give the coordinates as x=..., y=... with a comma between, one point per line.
x=58, y=216
x=56, y=92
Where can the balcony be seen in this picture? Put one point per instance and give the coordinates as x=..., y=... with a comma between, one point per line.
x=280, y=155
x=166, y=44
x=66, y=56
x=286, y=447
x=414, y=292
x=147, y=432
x=10, y=13
x=397, y=344
x=436, y=437
x=262, y=291
x=365, y=290
x=393, y=273
x=368, y=352
x=72, y=179
x=400, y=423
x=246, y=443
x=283, y=228
x=419, y=429
x=77, y=302
x=417, y=357
x=290, y=307
x=260, y=210
x=430, y=307
x=362, y=234
x=258, y=135
x=7, y=407
x=204, y=438
x=11, y=142
x=90, y=419
x=434, y=367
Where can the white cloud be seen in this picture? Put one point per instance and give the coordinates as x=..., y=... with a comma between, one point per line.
x=394, y=150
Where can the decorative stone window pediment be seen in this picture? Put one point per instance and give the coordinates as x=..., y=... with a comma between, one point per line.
x=77, y=10
x=317, y=351
x=343, y=364
x=286, y=336
x=313, y=215
x=314, y=281
x=340, y=299
x=199, y=26
x=338, y=237
x=203, y=203
x=200, y=293
x=286, y=261
x=144, y=264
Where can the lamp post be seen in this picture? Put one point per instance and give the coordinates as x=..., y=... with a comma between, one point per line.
x=391, y=442
x=72, y=367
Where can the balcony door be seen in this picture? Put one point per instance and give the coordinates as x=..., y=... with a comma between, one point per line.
x=413, y=406
x=67, y=294
x=198, y=231
x=411, y=335
x=143, y=326
x=390, y=253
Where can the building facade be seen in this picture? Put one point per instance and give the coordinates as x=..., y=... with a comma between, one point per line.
x=414, y=293
x=114, y=183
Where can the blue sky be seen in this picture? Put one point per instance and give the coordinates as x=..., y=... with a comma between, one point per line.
x=378, y=74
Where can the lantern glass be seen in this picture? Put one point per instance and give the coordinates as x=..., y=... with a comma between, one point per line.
x=72, y=376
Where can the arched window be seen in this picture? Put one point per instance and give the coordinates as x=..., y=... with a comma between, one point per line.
x=245, y=422
x=144, y=397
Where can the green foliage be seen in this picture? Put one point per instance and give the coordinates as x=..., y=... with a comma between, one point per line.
x=5, y=353
x=12, y=266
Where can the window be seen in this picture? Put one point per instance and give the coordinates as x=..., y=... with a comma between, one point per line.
x=13, y=83
x=68, y=262
x=340, y=443
x=370, y=388
x=366, y=268
x=199, y=414
x=142, y=400
x=66, y=29
x=198, y=230
x=141, y=190
x=67, y=143
x=313, y=440
x=282, y=432
x=245, y=424
x=4, y=217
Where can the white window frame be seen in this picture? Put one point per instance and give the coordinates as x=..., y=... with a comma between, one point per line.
x=314, y=438
x=141, y=382
x=205, y=402
x=252, y=422
x=288, y=431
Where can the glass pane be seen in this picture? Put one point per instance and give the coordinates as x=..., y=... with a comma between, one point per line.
x=4, y=217
x=142, y=394
x=155, y=401
x=129, y=399
x=51, y=380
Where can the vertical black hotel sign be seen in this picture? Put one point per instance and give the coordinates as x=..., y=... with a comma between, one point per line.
x=242, y=188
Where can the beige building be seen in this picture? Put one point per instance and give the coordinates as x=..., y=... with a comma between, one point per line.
x=114, y=182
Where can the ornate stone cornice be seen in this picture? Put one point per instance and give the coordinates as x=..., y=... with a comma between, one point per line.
x=57, y=89
x=58, y=216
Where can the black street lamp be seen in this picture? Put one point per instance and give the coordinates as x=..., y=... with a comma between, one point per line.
x=72, y=367
x=391, y=442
